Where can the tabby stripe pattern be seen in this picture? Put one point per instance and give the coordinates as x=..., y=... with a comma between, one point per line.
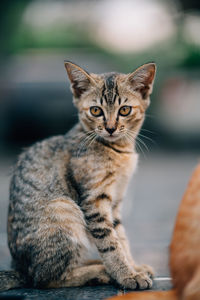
x=100, y=233
x=65, y=191
x=116, y=222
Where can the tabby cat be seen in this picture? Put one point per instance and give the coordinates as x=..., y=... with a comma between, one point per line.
x=184, y=250
x=66, y=191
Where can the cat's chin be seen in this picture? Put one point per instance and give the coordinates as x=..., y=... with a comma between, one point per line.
x=111, y=138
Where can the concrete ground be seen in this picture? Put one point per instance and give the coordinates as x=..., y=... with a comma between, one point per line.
x=150, y=207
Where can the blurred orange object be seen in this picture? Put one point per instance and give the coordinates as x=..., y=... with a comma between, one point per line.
x=164, y=295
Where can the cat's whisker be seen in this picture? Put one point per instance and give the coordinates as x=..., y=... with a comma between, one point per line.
x=93, y=139
x=150, y=116
x=81, y=135
x=139, y=139
x=140, y=148
x=83, y=144
x=148, y=138
x=84, y=136
x=127, y=138
x=147, y=130
x=143, y=143
x=132, y=135
x=87, y=139
x=132, y=139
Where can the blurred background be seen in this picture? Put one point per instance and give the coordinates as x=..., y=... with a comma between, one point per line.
x=36, y=36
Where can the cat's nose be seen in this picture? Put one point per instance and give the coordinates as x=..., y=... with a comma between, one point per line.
x=110, y=130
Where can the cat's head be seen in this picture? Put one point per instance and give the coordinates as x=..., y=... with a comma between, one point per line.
x=112, y=105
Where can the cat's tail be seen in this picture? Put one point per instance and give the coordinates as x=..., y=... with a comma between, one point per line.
x=150, y=295
x=10, y=280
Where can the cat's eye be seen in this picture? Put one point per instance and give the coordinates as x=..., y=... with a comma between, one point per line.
x=96, y=111
x=125, y=110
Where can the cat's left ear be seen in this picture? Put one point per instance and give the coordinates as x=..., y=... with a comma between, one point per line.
x=79, y=78
x=142, y=80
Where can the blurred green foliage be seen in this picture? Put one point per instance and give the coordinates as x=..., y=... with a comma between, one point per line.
x=54, y=37
x=17, y=37
x=10, y=18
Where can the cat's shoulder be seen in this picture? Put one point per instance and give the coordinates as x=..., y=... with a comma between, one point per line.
x=45, y=148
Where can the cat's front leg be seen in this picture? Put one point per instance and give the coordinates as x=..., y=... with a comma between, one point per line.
x=98, y=216
x=125, y=243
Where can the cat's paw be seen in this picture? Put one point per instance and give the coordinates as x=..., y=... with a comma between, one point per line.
x=104, y=277
x=137, y=281
x=146, y=269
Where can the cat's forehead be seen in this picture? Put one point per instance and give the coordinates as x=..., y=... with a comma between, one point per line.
x=108, y=88
x=110, y=79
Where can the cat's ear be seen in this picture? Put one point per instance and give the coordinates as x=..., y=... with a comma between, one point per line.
x=79, y=78
x=142, y=80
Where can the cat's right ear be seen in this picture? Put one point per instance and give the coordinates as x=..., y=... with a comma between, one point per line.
x=79, y=78
x=142, y=80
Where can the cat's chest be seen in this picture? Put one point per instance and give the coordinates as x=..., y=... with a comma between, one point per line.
x=125, y=168
x=103, y=169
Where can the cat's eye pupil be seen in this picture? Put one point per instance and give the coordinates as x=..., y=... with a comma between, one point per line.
x=125, y=110
x=96, y=111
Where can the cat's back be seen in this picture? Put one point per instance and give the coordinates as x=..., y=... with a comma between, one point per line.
x=42, y=162
x=33, y=165
x=185, y=245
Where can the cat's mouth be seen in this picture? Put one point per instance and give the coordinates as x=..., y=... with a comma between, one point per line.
x=111, y=137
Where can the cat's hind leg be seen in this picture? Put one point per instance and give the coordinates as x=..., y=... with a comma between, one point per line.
x=78, y=271
x=94, y=274
x=59, y=244
x=92, y=262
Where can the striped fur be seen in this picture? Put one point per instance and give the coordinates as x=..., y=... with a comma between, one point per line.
x=65, y=191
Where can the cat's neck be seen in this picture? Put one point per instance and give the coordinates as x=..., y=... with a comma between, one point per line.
x=119, y=147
